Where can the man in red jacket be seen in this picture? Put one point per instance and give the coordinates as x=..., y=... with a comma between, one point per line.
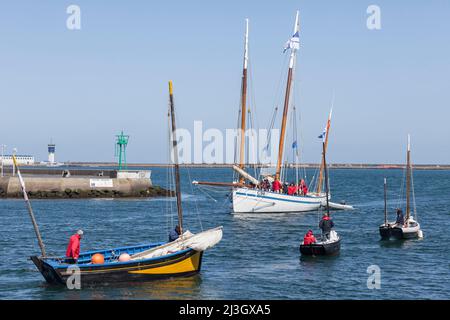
x=309, y=238
x=276, y=186
x=73, y=249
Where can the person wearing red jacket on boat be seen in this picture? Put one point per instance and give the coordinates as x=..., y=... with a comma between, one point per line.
x=309, y=238
x=305, y=189
x=276, y=186
x=291, y=189
x=73, y=249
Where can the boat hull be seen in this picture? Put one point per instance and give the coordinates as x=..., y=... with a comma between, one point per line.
x=403, y=233
x=184, y=263
x=257, y=201
x=321, y=249
x=385, y=232
x=393, y=231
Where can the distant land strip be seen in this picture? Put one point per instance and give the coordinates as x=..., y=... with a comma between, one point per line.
x=306, y=165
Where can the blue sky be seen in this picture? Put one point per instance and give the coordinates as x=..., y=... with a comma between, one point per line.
x=80, y=88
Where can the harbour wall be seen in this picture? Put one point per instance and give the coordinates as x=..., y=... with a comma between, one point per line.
x=45, y=187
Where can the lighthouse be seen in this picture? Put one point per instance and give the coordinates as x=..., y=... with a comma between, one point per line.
x=51, y=153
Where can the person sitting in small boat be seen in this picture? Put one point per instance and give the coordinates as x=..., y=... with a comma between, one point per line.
x=73, y=248
x=326, y=224
x=276, y=186
x=400, y=220
x=174, y=234
x=309, y=238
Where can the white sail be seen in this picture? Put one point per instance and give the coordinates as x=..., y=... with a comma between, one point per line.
x=245, y=175
x=198, y=242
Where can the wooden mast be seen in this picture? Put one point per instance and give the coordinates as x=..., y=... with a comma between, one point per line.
x=286, y=103
x=385, y=202
x=175, y=156
x=243, y=102
x=408, y=179
x=326, y=176
x=30, y=210
x=320, y=181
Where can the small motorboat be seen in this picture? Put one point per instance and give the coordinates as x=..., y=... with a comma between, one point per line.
x=324, y=247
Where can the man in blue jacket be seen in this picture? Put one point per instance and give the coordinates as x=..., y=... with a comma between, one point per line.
x=400, y=220
x=174, y=234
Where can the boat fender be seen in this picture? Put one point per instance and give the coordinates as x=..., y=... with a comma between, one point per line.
x=98, y=258
x=124, y=257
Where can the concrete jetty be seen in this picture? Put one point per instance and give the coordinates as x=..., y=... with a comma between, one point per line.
x=122, y=184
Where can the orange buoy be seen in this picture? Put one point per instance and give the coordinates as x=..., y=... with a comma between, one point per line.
x=98, y=258
x=124, y=257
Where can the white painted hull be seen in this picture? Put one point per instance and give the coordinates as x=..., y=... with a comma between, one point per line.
x=255, y=201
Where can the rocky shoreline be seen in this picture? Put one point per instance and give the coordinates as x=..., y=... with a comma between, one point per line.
x=155, y=191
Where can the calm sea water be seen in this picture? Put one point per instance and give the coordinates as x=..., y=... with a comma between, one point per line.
x=258, y=257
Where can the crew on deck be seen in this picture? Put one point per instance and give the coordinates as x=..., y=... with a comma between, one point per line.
x=276, y=186
x=291, y=189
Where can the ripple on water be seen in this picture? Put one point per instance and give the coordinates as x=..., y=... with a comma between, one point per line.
x=258, y=257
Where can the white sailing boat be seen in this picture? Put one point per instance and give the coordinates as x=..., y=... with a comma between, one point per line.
x=250, y=200
x=252, y=197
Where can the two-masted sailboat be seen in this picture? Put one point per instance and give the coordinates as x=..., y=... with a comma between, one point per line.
x=182, y=257
x=407, y=228
x=250, y=197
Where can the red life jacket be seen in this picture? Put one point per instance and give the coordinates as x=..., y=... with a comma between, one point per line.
x=309, y=239
x=291, y=190
x=276, y=185
x=73, y=249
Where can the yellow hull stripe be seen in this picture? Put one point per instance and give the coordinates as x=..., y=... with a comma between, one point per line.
x=186, y=265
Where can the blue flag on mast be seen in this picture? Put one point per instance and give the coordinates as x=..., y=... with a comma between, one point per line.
x=323, y=135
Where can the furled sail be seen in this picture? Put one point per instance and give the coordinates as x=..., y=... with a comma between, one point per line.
x=198, y=242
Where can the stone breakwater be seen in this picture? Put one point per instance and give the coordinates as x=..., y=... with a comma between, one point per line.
x=51, y=187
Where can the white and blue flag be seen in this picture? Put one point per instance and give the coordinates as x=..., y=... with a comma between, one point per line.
x=323, y=135
x=293, y=43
